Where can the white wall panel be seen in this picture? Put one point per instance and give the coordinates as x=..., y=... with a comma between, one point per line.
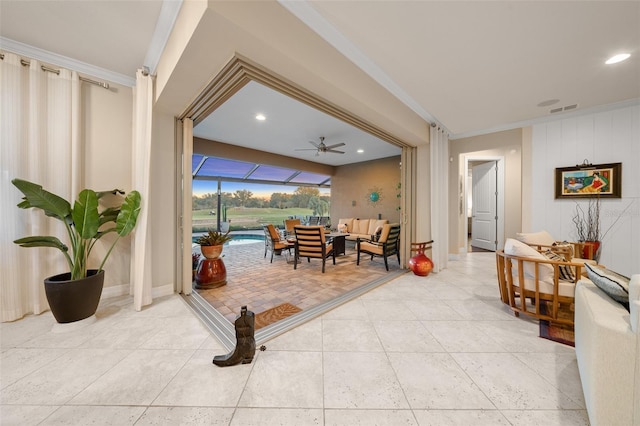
x=606, y=137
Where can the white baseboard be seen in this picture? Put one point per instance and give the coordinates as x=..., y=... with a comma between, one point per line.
x=165, y=290
x=114, y=291
x=123, y=290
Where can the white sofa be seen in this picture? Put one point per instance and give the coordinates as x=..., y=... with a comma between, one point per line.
x=607, y=342
x=360, y=228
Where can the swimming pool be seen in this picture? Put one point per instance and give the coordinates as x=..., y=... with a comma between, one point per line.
x=238, y=239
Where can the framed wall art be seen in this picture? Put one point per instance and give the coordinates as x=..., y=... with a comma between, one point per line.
x=586, y=180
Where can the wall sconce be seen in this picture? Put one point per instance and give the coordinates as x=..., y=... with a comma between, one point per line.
x=353, y=203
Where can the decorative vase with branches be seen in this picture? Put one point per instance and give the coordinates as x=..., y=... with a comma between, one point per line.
x=588, y=222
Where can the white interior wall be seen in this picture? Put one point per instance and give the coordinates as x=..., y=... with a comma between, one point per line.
x=604, y=137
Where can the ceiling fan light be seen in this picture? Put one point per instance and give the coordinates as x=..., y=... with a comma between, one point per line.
x=260, y=117
x=360, y=151
x=617, y=58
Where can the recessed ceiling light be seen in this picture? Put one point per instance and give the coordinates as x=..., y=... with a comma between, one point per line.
x=260, y=117
x=360, y=151
x=617, y=58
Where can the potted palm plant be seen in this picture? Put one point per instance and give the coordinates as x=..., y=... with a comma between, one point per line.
x=211, y=243
x=75, y=295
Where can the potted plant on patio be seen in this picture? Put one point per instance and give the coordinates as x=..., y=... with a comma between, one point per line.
x=75, y=295
x=211, y=272
x=211, y=243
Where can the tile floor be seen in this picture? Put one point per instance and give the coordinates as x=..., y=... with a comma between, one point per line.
x=440, y=350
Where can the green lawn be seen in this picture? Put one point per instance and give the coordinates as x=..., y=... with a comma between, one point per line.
x=247, y=218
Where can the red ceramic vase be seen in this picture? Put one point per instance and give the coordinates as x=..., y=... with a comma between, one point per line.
x=420, y=264
x=211, y=273
x=590, y=250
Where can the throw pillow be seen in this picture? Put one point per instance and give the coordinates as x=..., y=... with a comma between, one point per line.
x=566, y=248
x=516, y=248
x=566, y=272
x=613, y=284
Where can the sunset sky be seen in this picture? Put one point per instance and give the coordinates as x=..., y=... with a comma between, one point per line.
x=201, y=187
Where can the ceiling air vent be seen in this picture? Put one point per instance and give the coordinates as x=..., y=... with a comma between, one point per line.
x=564, y=108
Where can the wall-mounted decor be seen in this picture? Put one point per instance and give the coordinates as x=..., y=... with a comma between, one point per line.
x=586, y=180
x=374, y=196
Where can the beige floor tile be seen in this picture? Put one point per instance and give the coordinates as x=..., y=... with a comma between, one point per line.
x=277, y=416
x=547, y=417
x=436, y=381
x=460, y=418
x=186, y=416
x=94, y=415
x=25, y=415
x=59, y=381
x=307, y=337
x=284, y=379
x=20, y=362
x=136, y=380
x=369, y=417
x=512, y=385
x=381, y=310
x=462, y=336
x=363, y=380
x=350, y=336
x=406, y=336
x=432, y=310
x=200, y=383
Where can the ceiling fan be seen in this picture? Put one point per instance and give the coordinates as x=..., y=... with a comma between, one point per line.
x=322, y=148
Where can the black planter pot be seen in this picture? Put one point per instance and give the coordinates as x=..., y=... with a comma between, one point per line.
x=74, y=300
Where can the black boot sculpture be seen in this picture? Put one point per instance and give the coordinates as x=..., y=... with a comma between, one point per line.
x=245, y=341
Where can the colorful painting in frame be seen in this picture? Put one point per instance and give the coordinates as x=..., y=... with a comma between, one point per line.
x=585, y=181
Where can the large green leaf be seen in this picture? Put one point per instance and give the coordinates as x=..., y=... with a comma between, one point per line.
x=85, y=214
x=42, y=242
x=128, y=213
x=109, y=215
x=35, y=196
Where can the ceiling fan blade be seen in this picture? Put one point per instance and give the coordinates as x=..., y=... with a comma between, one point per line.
x=335, y=145
x=334, y=151
x=307, y=149
x=314, y=144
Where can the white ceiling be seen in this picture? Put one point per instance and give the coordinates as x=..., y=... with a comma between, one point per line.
x=473, y=67
x=289, y=126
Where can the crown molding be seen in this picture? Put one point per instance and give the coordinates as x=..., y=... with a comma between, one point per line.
x=51, y=58
x=167, y=19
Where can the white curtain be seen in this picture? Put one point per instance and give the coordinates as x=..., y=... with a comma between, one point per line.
x=439, y=197
x=39, y=129
x=141, y=273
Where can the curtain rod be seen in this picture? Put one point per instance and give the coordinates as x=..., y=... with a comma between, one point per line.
x=26, y=63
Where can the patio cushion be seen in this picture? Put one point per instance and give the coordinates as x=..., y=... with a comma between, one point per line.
x=348, y=222
x=361, y=226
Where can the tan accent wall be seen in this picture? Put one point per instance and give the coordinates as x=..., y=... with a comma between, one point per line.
x=506, y=144
x=352, y=184
x=107, y=139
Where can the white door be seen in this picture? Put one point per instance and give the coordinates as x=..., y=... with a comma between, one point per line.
x=484, y=182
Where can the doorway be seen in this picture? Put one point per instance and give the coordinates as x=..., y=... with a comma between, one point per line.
x=484, y=203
